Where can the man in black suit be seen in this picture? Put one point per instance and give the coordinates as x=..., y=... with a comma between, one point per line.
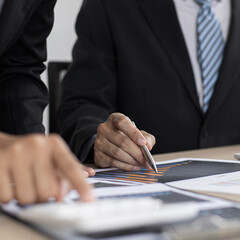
x=171, y=66
x=32, y=167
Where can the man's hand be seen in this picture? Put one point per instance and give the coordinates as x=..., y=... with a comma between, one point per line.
x=117, y=144
x=34, y=168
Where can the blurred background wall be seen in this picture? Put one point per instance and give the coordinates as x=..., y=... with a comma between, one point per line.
x=62, y=37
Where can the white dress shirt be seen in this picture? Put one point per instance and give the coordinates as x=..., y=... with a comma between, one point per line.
x=187, y=12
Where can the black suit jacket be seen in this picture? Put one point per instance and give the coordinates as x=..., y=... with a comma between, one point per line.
x=131, y=57
x=24, y=27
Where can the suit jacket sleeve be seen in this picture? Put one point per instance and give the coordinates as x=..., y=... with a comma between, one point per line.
x=23, y=96
x=90, y=86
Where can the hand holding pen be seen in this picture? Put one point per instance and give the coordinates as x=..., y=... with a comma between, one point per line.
x=118, y=144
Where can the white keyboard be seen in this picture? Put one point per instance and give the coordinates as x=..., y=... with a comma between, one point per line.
x=107, y=215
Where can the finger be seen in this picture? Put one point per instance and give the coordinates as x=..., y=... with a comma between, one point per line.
x=22, y=176
x=59, y=177
x=90, y=171
x=101, y=159
x=150, y=140
x=44, y=174
x=6, y=192
x=111, y=162
x=67, y=164
x=122, y=141
x=65, y=187
x=116, y=152
x=86, y=172
x=45, y=178
x=125, y=166
x=125, y=125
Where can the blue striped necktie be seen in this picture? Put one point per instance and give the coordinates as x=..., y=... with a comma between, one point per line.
x=210, y=49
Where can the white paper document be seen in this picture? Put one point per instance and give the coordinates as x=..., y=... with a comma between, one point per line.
x=228, y=183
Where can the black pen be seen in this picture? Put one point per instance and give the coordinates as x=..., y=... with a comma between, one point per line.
x=148, y=156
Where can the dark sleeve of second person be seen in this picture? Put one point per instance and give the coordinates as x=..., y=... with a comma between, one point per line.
x=90, y=86
x=23, y=96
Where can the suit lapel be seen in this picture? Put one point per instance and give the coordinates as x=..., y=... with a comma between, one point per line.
x=162, y=17
x=231, y=61
x=13, y=14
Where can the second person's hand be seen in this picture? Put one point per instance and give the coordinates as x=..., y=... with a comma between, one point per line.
x=34, y=168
